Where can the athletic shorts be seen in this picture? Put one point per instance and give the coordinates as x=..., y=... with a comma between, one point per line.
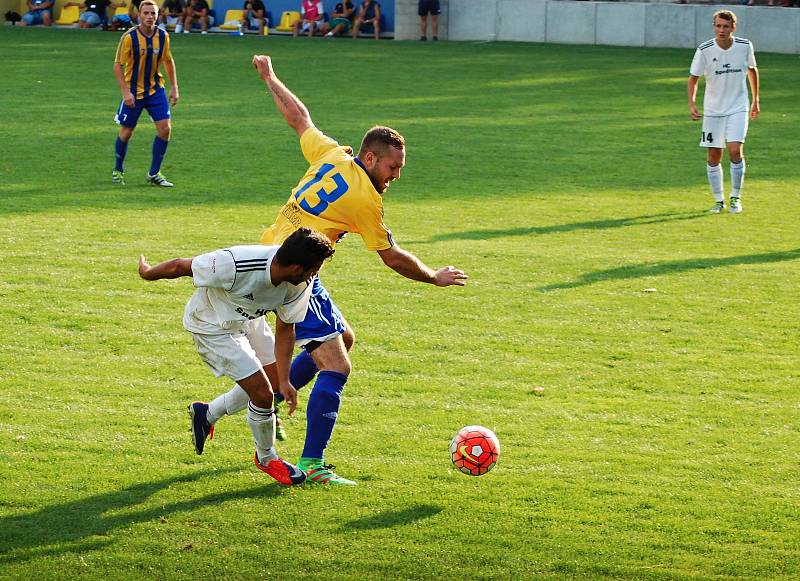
x=428, y=7
x=173, y=20
x=89, y=17
x=34, y=17
x=239, y=354
x=323, y=321
x=717, y=131
x=337, y=21
x=156, y=104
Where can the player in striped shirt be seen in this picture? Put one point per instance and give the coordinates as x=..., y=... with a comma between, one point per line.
x=727, y=63
x=236, y=287
x=140, y=53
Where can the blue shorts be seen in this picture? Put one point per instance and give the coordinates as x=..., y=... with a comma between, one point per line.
x=92, y=18
x=156, y=104
x=34, y=17
x=123, y=18
x=323, y=321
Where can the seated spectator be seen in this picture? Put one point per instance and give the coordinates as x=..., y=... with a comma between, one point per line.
x=196, y=11
x=341, y=20
x=255, y=15
x=93, y=12
x=39, y=12
x=369, y=13
x=125, y=21
x=312, y=16
x=171, y=13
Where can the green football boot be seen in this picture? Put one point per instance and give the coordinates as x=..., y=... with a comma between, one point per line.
x=320, y=473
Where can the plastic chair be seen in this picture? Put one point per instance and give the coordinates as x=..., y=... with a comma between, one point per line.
x=233, y=19
x=69, y=15
x=287, y=21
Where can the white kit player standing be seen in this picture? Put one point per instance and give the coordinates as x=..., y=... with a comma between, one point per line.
x=727, y=62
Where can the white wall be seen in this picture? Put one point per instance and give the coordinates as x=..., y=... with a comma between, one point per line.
x=617, y=23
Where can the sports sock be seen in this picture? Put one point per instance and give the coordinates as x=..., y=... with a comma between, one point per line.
x=715, y=178
x=229, y=403
x=737, y=178
x=120, y=150
x=159, y=150
x=322, y=411
x=262, y=425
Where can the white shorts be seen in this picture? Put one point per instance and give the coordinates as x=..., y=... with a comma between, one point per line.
x=717, y=131
x=239, y=354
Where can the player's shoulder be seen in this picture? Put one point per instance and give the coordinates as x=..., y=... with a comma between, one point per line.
x=741, y=41
x=706, y=45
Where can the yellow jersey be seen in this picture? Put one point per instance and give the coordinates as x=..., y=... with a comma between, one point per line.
x=334, y=197
x=141, y=57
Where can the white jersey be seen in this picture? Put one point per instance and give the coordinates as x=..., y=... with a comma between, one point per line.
x=726, y=76
x=234, y=286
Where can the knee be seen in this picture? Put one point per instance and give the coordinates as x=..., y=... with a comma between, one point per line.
x=165, y=132
x=349, y=338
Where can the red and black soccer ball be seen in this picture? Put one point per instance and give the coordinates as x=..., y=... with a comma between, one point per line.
x=474, y=450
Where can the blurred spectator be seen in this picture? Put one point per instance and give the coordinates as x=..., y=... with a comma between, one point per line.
x=93, y=12
x=369, y=13
x=196, y=11
x=312, y=16
x=125, y=21
x=429, y=7
x=171, y=13
x=39, y=12
x=255, y=15
x=341, y=20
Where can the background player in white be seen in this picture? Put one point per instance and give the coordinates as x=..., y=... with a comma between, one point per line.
x=727, y=62
x=236, y=287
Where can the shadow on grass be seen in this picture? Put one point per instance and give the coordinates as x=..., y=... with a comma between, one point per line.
x=571, y=227
x=676, y=266
x=392, y=518
x=85, y=524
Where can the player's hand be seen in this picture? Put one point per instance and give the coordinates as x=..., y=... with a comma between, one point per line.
x=695, y=113
x=174, y=96
x=289, y=394
x=144, y=267
x=755, y=109
x=450, y=275
x=128, y=98
x=263, y=65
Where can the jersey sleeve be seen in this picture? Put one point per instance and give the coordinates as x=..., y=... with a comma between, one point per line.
x=214, y=270
x=698, y=65
x=293, y=310
x=369, y=222
x=123, y=50
x=315, y=144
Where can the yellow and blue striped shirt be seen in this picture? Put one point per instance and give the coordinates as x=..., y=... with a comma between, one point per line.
x=141, y=56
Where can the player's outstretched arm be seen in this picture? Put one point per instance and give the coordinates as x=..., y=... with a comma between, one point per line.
x=408, y=265
x=292, y=108
x=174, y=268
x=284, y=346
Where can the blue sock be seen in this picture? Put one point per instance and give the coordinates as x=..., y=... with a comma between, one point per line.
x=322, y=411
x=159, y=149
x=302, y=371
x=120, y=150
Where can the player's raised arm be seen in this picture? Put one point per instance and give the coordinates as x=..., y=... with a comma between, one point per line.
x=408, y=265
x=292, y=108
x=174, y=268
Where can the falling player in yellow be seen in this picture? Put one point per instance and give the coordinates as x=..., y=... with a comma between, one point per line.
x=339, y=194
x=140, y=53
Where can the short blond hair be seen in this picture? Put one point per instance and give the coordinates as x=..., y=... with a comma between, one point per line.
x=725, y=15
x=149, y=3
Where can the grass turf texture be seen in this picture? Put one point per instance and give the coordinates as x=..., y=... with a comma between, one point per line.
x=565, y=180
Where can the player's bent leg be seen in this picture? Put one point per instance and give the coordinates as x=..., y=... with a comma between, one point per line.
x=202, y=428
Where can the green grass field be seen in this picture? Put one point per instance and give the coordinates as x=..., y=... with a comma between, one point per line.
x=566, y=180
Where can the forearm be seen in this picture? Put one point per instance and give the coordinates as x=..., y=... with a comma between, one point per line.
x=284, y=347
x=691, y=90
x=120, y=77
x=291, y=107
x=175, y=268
x=172, y=73
x=755, y=83
x=407, y=265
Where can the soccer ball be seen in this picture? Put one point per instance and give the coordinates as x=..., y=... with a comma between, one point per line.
x=474, y=450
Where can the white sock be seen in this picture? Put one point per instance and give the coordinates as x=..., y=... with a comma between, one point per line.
x=229, y=403
x=262, y=425
x=737, y=178
x=715, y=178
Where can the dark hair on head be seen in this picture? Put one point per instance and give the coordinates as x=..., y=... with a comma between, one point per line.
x=305, y=247
x=379, y=139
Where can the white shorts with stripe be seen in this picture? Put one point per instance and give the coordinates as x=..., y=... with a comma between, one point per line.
x=239, y=354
